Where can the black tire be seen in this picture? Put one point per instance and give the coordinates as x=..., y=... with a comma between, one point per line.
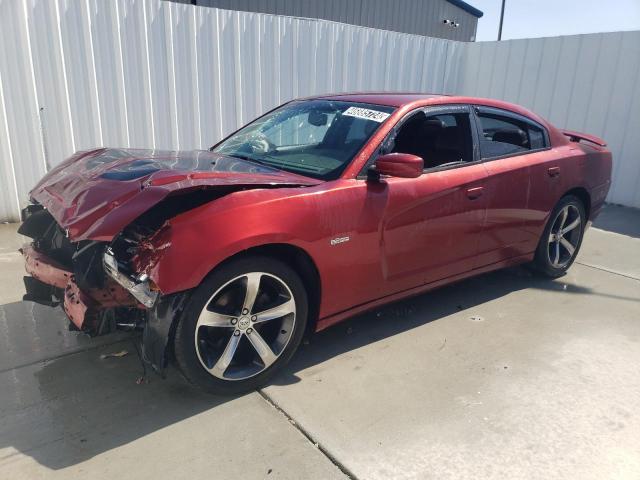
x=543, y=262
x=189, y=360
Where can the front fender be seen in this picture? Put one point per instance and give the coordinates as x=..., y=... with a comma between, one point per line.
x=188, y=247
x=181, y=254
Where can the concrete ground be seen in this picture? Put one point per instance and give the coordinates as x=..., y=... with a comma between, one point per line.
x=502, y=376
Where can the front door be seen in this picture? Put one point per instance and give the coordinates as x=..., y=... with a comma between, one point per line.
x=431, y=224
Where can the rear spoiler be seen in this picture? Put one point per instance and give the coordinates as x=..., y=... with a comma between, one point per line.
x=577, y=136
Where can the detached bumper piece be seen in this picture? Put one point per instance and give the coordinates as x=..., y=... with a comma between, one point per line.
x=40, y=292
x=51, y=283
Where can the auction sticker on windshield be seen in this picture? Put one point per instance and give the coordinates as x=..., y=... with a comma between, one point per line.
x=366, y=113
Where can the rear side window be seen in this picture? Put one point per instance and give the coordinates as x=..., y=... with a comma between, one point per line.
x=504, y=135
x=536, y=138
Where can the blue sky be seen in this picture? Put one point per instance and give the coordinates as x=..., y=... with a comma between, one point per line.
x=550, y=18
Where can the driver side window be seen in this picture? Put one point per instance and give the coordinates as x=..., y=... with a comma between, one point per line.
x=439, y=139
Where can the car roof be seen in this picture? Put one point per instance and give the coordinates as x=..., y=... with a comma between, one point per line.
x=414, y=100
x=406, y=101
x=391, y=99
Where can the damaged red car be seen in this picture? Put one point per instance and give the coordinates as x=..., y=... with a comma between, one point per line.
x=320, y=209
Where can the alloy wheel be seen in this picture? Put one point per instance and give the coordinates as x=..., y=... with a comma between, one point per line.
x=564, y=236
x=245, y=326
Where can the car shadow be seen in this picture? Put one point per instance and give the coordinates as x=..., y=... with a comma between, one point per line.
x=404, y=315
x=618, y=219
x=67, y=410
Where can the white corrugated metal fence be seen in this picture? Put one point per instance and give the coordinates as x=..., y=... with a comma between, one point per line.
x=75, y=74
x=589, y=83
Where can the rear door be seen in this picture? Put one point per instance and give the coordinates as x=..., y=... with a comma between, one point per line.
x=509, y=145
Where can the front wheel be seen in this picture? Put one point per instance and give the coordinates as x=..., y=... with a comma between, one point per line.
x=241, y=325
x=562, y=237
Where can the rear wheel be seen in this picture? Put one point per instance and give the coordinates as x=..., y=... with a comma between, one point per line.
x=241, y=325
x=562, y=237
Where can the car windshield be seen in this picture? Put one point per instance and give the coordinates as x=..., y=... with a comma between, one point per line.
x=316, y=138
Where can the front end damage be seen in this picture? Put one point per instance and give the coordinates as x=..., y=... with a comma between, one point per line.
x=72, y=274
x=100, y=224
x=95, y=282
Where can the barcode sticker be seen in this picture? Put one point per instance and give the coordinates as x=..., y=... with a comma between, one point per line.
x=366, y=113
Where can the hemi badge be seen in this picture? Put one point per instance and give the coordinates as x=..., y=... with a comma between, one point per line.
x=336, y=241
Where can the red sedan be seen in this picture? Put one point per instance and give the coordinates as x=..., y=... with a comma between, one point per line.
x=320, y=209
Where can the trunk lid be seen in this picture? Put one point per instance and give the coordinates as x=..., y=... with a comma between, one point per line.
x=95, y=194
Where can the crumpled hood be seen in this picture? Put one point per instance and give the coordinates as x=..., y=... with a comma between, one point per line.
x=95, y=194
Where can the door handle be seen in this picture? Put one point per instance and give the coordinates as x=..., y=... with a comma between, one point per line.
x=475, y=192
x=553, y=171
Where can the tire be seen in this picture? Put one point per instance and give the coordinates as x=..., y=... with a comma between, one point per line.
x=221, y=349
x=554, y=253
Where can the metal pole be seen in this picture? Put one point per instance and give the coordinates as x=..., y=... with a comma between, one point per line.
x=501, y=19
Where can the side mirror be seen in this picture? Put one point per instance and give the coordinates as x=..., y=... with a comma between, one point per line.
x=402, y=165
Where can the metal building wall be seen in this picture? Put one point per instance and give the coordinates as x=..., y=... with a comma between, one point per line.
x=76, y=74
x=589, y=83
x=422, y=17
